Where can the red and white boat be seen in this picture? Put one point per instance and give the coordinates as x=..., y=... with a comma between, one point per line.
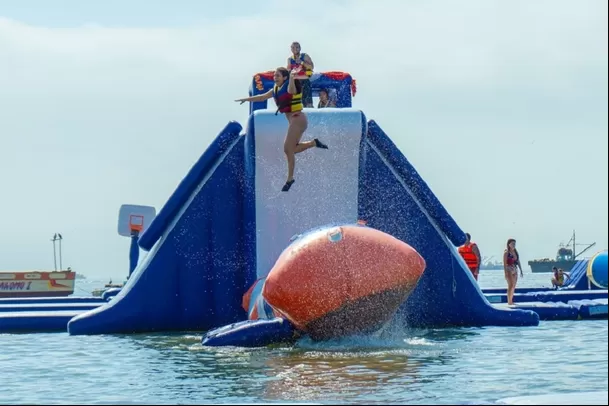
x=36, y=283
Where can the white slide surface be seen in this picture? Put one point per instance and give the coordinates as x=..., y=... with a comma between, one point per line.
x=327, y=180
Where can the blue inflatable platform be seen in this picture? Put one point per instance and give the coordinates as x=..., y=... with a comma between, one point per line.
x=578, y=279
x=36, y=322
x=201, y=261
x=571, y=310
x=37, y=307
x=582, y=297
x=251, y=333
x=562, y=296
x=51, y=300
x=43, y=314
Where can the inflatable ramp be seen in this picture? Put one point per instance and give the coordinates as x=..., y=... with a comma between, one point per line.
x=228, y=221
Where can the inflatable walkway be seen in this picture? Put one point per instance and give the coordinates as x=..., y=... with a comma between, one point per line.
x=578, y=280
x=584, y=295
x=228, y=221
x=42, y=314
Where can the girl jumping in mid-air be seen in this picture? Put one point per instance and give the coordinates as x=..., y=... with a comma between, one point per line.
x=287, y=93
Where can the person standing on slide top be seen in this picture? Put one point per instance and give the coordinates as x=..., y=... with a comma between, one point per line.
x=303, y=64
x=287, y=93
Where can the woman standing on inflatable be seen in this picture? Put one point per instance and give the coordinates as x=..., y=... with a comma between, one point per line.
x=287, y=93
x=511, y=264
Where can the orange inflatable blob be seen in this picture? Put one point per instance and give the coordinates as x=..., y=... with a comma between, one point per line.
x=342, y=280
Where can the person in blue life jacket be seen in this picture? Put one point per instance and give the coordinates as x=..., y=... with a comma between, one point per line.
x=287, y=93
x=303, y=64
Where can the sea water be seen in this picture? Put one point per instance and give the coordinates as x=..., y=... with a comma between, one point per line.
x=439, y=366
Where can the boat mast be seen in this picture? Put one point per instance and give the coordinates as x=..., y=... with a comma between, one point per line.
x=573, y=258
x=54, y=239
x=60, y=257
x=575, y=254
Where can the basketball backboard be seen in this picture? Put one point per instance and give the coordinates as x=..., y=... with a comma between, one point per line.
x=134, y=218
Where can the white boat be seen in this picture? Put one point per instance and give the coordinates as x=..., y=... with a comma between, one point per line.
x=36, y=283
x=56, y=283
x=99, y=292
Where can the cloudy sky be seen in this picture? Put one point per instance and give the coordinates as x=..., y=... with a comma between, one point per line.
x=105, y=103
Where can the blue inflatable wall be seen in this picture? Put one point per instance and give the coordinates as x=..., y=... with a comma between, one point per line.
x=195, y=274
x=396, y=200
x=202, y=243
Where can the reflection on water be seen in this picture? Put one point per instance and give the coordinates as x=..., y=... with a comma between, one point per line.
x=321, y=375
x=357, y=368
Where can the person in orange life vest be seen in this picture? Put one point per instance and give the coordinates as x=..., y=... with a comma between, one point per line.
x=287, y=93
x=471, y=255
x=511, y=264
x=303, y=64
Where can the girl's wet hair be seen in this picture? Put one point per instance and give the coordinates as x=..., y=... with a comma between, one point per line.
x=286, y=76
x=284, y=72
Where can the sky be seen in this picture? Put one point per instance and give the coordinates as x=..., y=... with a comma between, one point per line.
x=500, y=106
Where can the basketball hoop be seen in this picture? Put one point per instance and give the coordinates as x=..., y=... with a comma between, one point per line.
x=136, y=223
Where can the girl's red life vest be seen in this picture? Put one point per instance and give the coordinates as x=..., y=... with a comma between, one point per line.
x=287, y=102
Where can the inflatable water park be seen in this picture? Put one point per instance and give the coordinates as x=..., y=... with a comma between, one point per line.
x=359, y=242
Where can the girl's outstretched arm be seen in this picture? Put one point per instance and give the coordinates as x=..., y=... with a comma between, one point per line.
x=257, y=98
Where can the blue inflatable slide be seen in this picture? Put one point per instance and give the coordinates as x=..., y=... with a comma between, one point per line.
x=228, y=221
